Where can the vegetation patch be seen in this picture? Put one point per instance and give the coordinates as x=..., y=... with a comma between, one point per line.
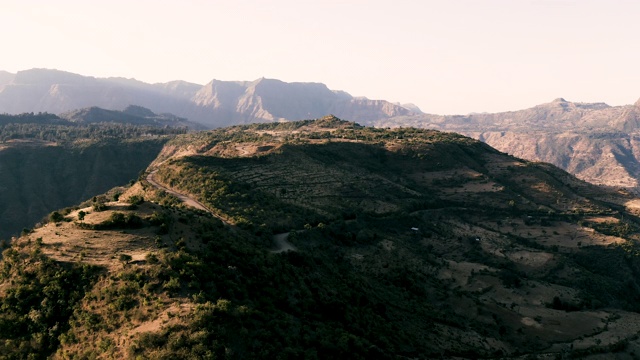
x=40, y=297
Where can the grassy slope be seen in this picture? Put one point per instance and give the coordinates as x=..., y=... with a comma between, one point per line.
x=510, y=257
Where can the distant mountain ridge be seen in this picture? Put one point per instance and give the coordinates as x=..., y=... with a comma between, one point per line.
x=594, y=141
x=132, y=114
x=218, y=103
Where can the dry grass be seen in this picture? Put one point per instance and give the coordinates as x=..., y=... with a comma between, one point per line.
x=66, y=241
x=171, y=315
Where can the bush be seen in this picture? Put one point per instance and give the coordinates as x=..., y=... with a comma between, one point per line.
x=124, y=258
x=99, y=206
x=127, y=221
x=136, y=200
x=56, y=217
x=45, y=290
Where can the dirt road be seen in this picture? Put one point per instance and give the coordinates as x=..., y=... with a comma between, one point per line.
x=280, y=240
x=184, y=198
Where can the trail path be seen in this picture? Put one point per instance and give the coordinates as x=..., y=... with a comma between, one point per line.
x=280, y=240
x=184, y=198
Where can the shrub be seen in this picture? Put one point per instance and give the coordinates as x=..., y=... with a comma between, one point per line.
x=124, y=258
x=136, y=200
x=56, y=217
x=100, y=206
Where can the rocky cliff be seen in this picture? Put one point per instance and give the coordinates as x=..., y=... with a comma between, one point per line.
x=594, y=141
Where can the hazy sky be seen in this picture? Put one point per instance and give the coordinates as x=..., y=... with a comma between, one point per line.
x=447, y=56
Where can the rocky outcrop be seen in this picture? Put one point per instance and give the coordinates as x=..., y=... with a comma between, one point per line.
x=268, y=100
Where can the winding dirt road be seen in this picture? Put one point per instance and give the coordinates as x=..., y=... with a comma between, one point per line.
x=184, y=198
x=280, y=240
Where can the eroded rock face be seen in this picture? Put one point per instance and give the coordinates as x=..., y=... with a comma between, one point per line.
x=596, y=142
x=611, y=161
x=267, y=100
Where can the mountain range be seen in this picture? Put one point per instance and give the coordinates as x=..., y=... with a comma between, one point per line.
x=218, y=103
x=594, y=141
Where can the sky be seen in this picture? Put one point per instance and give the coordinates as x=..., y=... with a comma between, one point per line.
x=446, y=56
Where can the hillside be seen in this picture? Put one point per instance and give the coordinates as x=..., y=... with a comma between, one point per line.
x=596, y=142
x=48, y=163
x=407, y=244
x=216, y=104
x=132, y=114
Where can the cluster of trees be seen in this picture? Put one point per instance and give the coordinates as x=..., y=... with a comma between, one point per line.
x=36, y=308
x=31, y=118
x=69, y=133
x=49, y=127
x=621, y=228
x=237, y=201
x=117, y=220
x=294, y=305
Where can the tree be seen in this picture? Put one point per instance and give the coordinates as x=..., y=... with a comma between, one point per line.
x=124, y=259
x=99, y=206
x=56, y=217
x=81, y=215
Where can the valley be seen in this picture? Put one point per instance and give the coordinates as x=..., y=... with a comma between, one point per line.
x=48, y=163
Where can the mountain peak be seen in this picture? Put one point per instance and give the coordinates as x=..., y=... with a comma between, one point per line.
x=411, y=107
